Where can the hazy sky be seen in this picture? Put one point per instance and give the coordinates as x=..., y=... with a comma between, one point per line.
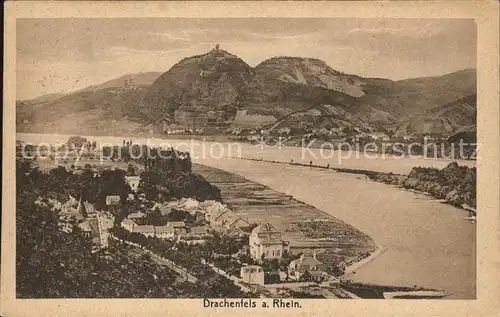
x=61, y=55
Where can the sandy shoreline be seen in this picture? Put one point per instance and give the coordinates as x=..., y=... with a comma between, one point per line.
x=351, y=268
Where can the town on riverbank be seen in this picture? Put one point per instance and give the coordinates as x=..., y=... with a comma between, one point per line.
x=206, y=232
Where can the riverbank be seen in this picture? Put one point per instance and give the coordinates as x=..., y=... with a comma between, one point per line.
x=211, y=149
x=454, y=185
x=421, y=180
x=356, y=265
x=374, y=291
x=428, y=243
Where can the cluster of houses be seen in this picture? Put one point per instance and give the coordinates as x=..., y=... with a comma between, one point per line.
x=265, y=240
x=222, y=219
x=254, y=274
x=339, y=133
x=374, y=136
x=336, y=132
x=171, y=230
x=92, y=223
x=266, y=243
x=217, y=217
x=306, y=263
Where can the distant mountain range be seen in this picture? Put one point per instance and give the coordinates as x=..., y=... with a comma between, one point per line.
x=138, y=79
x=280, y=86
x=44, y=98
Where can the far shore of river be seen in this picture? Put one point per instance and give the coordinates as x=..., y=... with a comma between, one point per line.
x=158, y=138
x=375, y=176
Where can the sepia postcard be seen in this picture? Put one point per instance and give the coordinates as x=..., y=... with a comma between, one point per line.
x=251, y=159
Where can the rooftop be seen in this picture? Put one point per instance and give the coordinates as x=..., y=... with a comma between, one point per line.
x=89, y=208
x=222, y=214
x=252, y=269
x=132, y=178
x=253, y=266
x=129, y=222
x=164, y=229
x=234, y=219
x=198, y=230
x=107, y=222
x=308, y=260
x=136, y=215
x=268, y=233
x=112, y=200
x=176, y=224
x=316, y=272
x=161, y=207
x=270, y=241
x=144, y=229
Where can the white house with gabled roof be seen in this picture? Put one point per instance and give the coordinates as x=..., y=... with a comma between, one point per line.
x=266, y=243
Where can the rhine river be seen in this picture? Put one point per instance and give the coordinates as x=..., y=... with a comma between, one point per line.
x=427, y=243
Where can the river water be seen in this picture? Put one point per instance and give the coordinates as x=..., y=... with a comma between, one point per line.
x=207, y=150
x=427, y=243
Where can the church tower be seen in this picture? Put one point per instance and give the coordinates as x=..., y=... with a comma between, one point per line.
x=81, y=208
